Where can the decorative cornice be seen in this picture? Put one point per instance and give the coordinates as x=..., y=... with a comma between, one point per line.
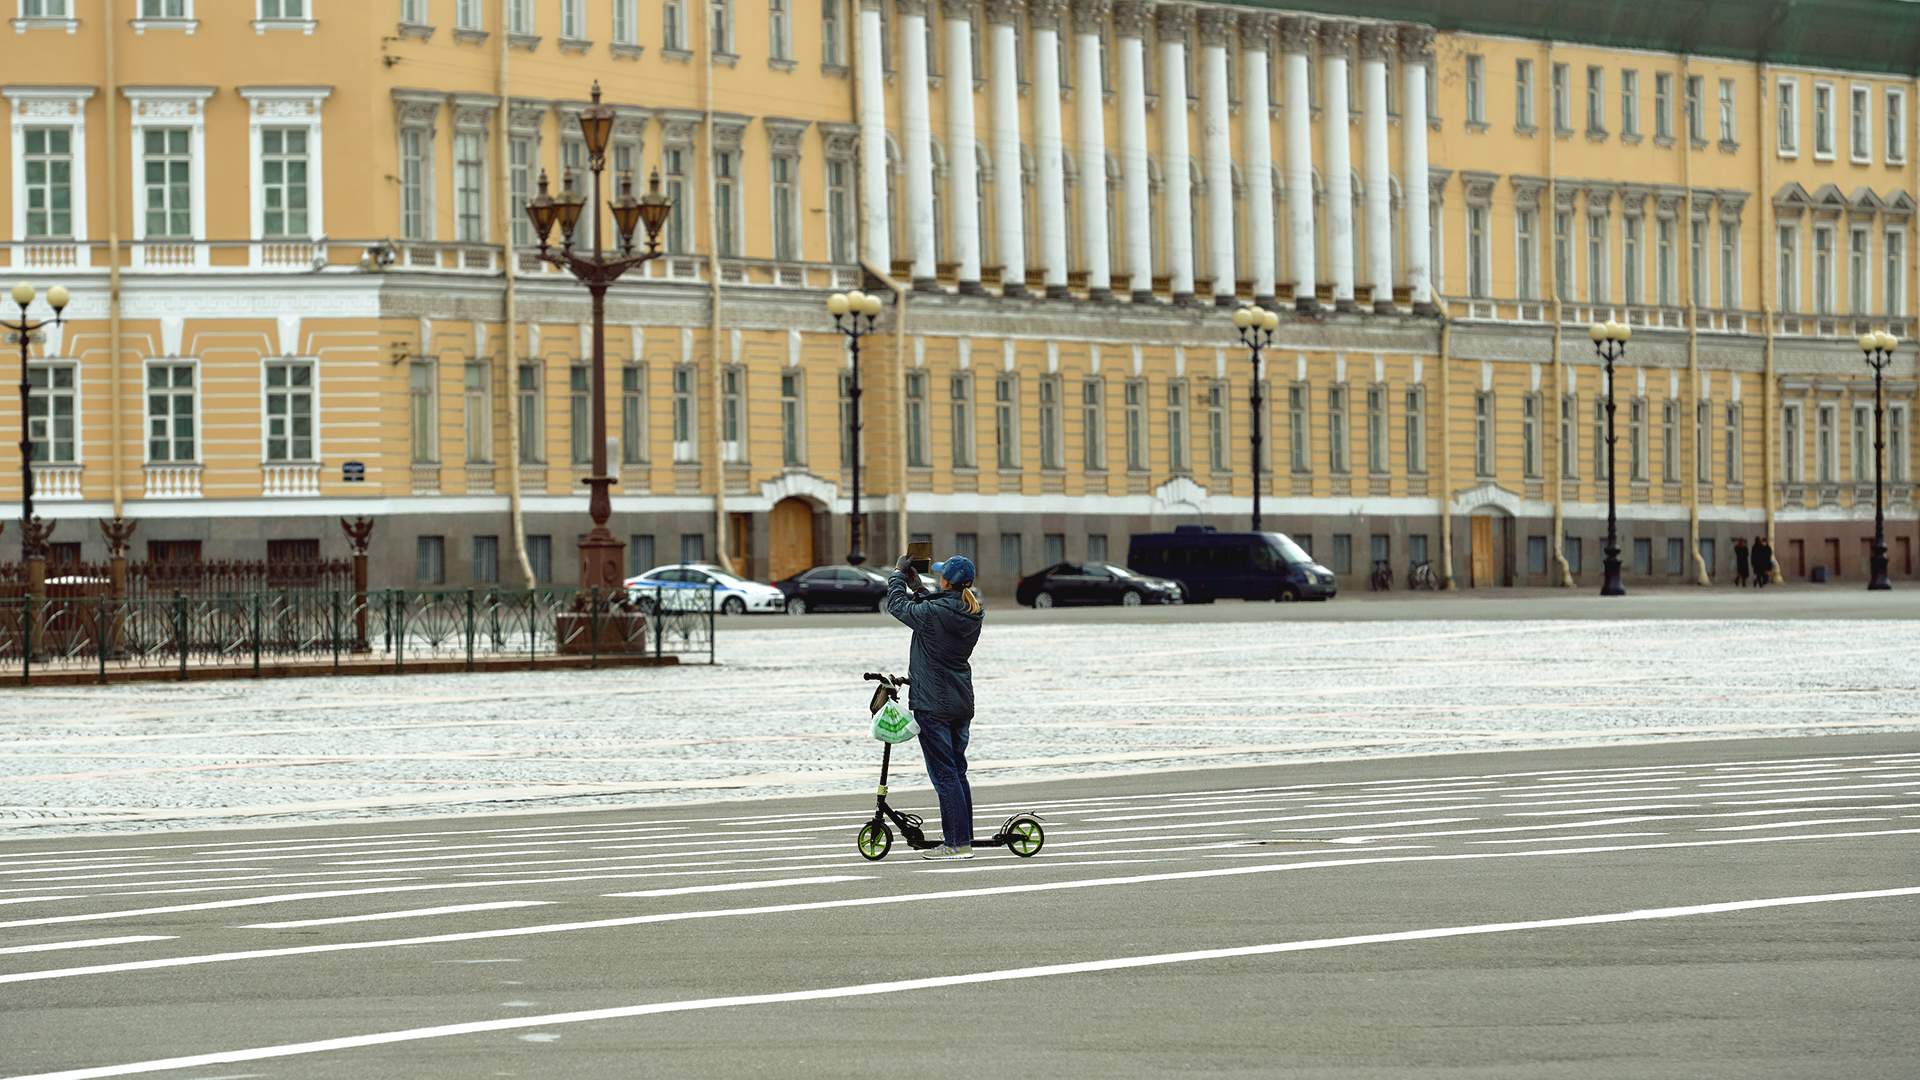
x=49, y=102
x=1132, y=17
x=1296, y=34
x=1416, y=44
x=285, y=102
x=417, y=108
x=783, y=135
x=1336, y=37
x=168, y=102
x=1004, y=11
x=677, y=125
x=842, y=140
x=1437, y=181
x=1565, y=195
x=1526, y=190
x=1172, y=20
x=1479, y=187
x=1599, y=196
x=474, y=110
x=526, y=115
x=1257, y=29
x=1702, y=204
x=728, y=130
x=1215, y=24
x=630, y=121
x=1045, y=14
x=1377, y=41
x=1633, y=199
x=1729, y=204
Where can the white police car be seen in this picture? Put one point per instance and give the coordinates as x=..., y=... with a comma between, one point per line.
x=686, y=586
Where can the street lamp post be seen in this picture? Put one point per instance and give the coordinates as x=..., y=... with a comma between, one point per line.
x=1878, y=348
x=1610, y=341
x=1256, y=326
x=855, y=315
x=601, y=555
x=32, y=535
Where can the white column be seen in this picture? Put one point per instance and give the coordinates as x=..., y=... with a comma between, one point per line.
x=1175, y=156
x=1217, y=146
x=1256, y=31
x=1336, y=159
x=1376, y=45
x=1416, y=53
x=873, y=140
x=1090, y=122
x=1010, y=222
x=1296, y=38
x=963, y=162
x=1130, y=20
x=919, y=137
x=1051, y=210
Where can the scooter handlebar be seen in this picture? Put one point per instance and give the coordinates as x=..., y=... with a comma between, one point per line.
x=876, y=676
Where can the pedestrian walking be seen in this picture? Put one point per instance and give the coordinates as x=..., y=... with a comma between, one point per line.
x=1740, y=561
x=946, y=626
x=1762, y=562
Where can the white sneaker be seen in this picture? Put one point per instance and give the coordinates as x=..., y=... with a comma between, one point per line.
x=945, y=853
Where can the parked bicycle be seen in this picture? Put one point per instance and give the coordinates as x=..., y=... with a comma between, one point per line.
x=1421, y=576
x=1381, y=579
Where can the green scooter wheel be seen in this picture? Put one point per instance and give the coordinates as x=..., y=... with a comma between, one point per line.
x=875, y=841
x=1025, y=837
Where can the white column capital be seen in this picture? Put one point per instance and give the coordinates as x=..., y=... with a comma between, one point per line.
x=1336, y=36
x=1216, y=25
x=1257, y=29
x=1172, y=20
x=1416, y=44
x=1296, y=34
x=1045, y=14
x=1088, y=13
x=1131, y=18
x=1377, y=41
x=1002, y=12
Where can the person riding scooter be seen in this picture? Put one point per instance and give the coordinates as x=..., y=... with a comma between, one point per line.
x=946, y=627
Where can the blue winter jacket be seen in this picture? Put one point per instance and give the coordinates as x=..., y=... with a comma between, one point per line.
x=943, y=639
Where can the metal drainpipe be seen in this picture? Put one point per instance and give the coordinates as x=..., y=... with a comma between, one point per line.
x=1701, y=575
x=1558, y=397
x=713, y=323
x=1769, y=260
x=509, y=262
x=113, y=265
x=1446, y=442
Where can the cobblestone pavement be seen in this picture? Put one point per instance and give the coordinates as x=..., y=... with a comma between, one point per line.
x=785, y=714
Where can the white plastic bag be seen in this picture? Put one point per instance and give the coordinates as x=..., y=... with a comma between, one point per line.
x=893, y=724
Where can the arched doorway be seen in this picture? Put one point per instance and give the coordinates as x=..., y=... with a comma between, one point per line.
x=789, y=538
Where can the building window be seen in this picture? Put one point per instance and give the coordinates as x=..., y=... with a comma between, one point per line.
x=486, y=560
x=1596, y=100
x=1523, y=94
x=1894, y=296
x=1530, y=435
x=779, y=31
x=1727, y=131
x=1569, y=438
x=1676, y=556
x=1730, y=437
x=1570, y=547
x=283, y=180
x=673, y=25
x=520, y=179
x=168, y=182
x=1663, y=106
x=172, y=413
x=1860, y=124
x=792, y=414
x=1696, y=110
x=840, y=211
x=1217, y=451
x=1896, y=108
x=1536, y=555
x=283, y=10
x=1051, y=435
x=1342, y=553
x=786, y=222
x=960, y=403
x=467, y=15
x=1858, y=260
x=1093, y=421
x=633, y=414
x=1483, y=434
x=1862, y=443
x=1476, y=89
x=470, y=186
x=1297, y=434
x=1792, y=445
x=416, y=181
x=625, y=23
x=532, y=422
x=1630, y=259
x=580, y=413
x=1478, y=257
x=1337, y=428
x=289, y=408
x=1703, y=442
x=1663, y=262
x=1177, y=431
x=1563, y=254
x=540, y=558
x=573, y=23
x=1730, y=266
x=1416, y=430
x=1897, y=444
x=1630, y=104
x=1637, y=440
x=684, y=421
x=1136, y=424
x=1377, y=430
x=1825, y=446
x=430, y=560
x=1562, y=101
x=520, y=17
x=423, y=413
x=47, y=164
x=51, y=412
x=1697, y=261
x=1786, y=107
x=721, y=39
x=1527, y=262
x=1010, y=554
x=1822, y=270
x=1823, y=120
x=1597, y=272
x=833, y=43
x=1602, y=450
x=673, y=162
x=181, y=9
x=733, y=413
x=1006, y=421
x=1669, y=442
x=726, y=204
x=477, y=394
x=917, y=456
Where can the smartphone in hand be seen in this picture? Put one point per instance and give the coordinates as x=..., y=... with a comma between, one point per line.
x=921, y=553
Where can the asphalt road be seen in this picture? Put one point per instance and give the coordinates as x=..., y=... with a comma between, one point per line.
x=1726, y=909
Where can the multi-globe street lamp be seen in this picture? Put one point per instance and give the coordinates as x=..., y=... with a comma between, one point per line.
x=1256, y=326
x=32, y=536
x=601, y=555
x=1878, y=349
x=855, y=315
x=1610, y=341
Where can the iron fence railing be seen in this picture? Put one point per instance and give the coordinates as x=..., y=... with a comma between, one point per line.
x=330, y=629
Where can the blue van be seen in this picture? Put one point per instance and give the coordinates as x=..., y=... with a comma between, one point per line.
x=1212, y=565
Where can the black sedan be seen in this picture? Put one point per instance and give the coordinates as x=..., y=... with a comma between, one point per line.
x=1094, y=583
x=830, y=588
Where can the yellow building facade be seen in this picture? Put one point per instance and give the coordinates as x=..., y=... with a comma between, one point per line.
x=304, y=289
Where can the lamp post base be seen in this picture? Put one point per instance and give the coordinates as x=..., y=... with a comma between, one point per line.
x=1610, y=584
x=1877, y=579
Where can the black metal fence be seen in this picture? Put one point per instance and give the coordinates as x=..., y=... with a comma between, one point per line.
x=334, y=628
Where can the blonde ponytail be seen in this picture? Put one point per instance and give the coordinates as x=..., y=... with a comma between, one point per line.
x=968, y=600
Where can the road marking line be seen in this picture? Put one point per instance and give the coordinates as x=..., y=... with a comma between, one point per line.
x=1789, y=824
x=37, y=899
x=738, y=886
x=385, y=1038
x=90, y=943
x=1559, y=839
x=410, y=913
x=894, y=898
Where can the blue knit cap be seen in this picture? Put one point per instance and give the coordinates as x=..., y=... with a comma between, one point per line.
x=958, y=570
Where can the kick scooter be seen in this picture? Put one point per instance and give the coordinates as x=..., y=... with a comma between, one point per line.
x=1020, y=834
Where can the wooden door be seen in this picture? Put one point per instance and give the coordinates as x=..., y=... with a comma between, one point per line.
x=1481, y=559
x=789, y=539
x=1833, y=557
x=740, y=545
